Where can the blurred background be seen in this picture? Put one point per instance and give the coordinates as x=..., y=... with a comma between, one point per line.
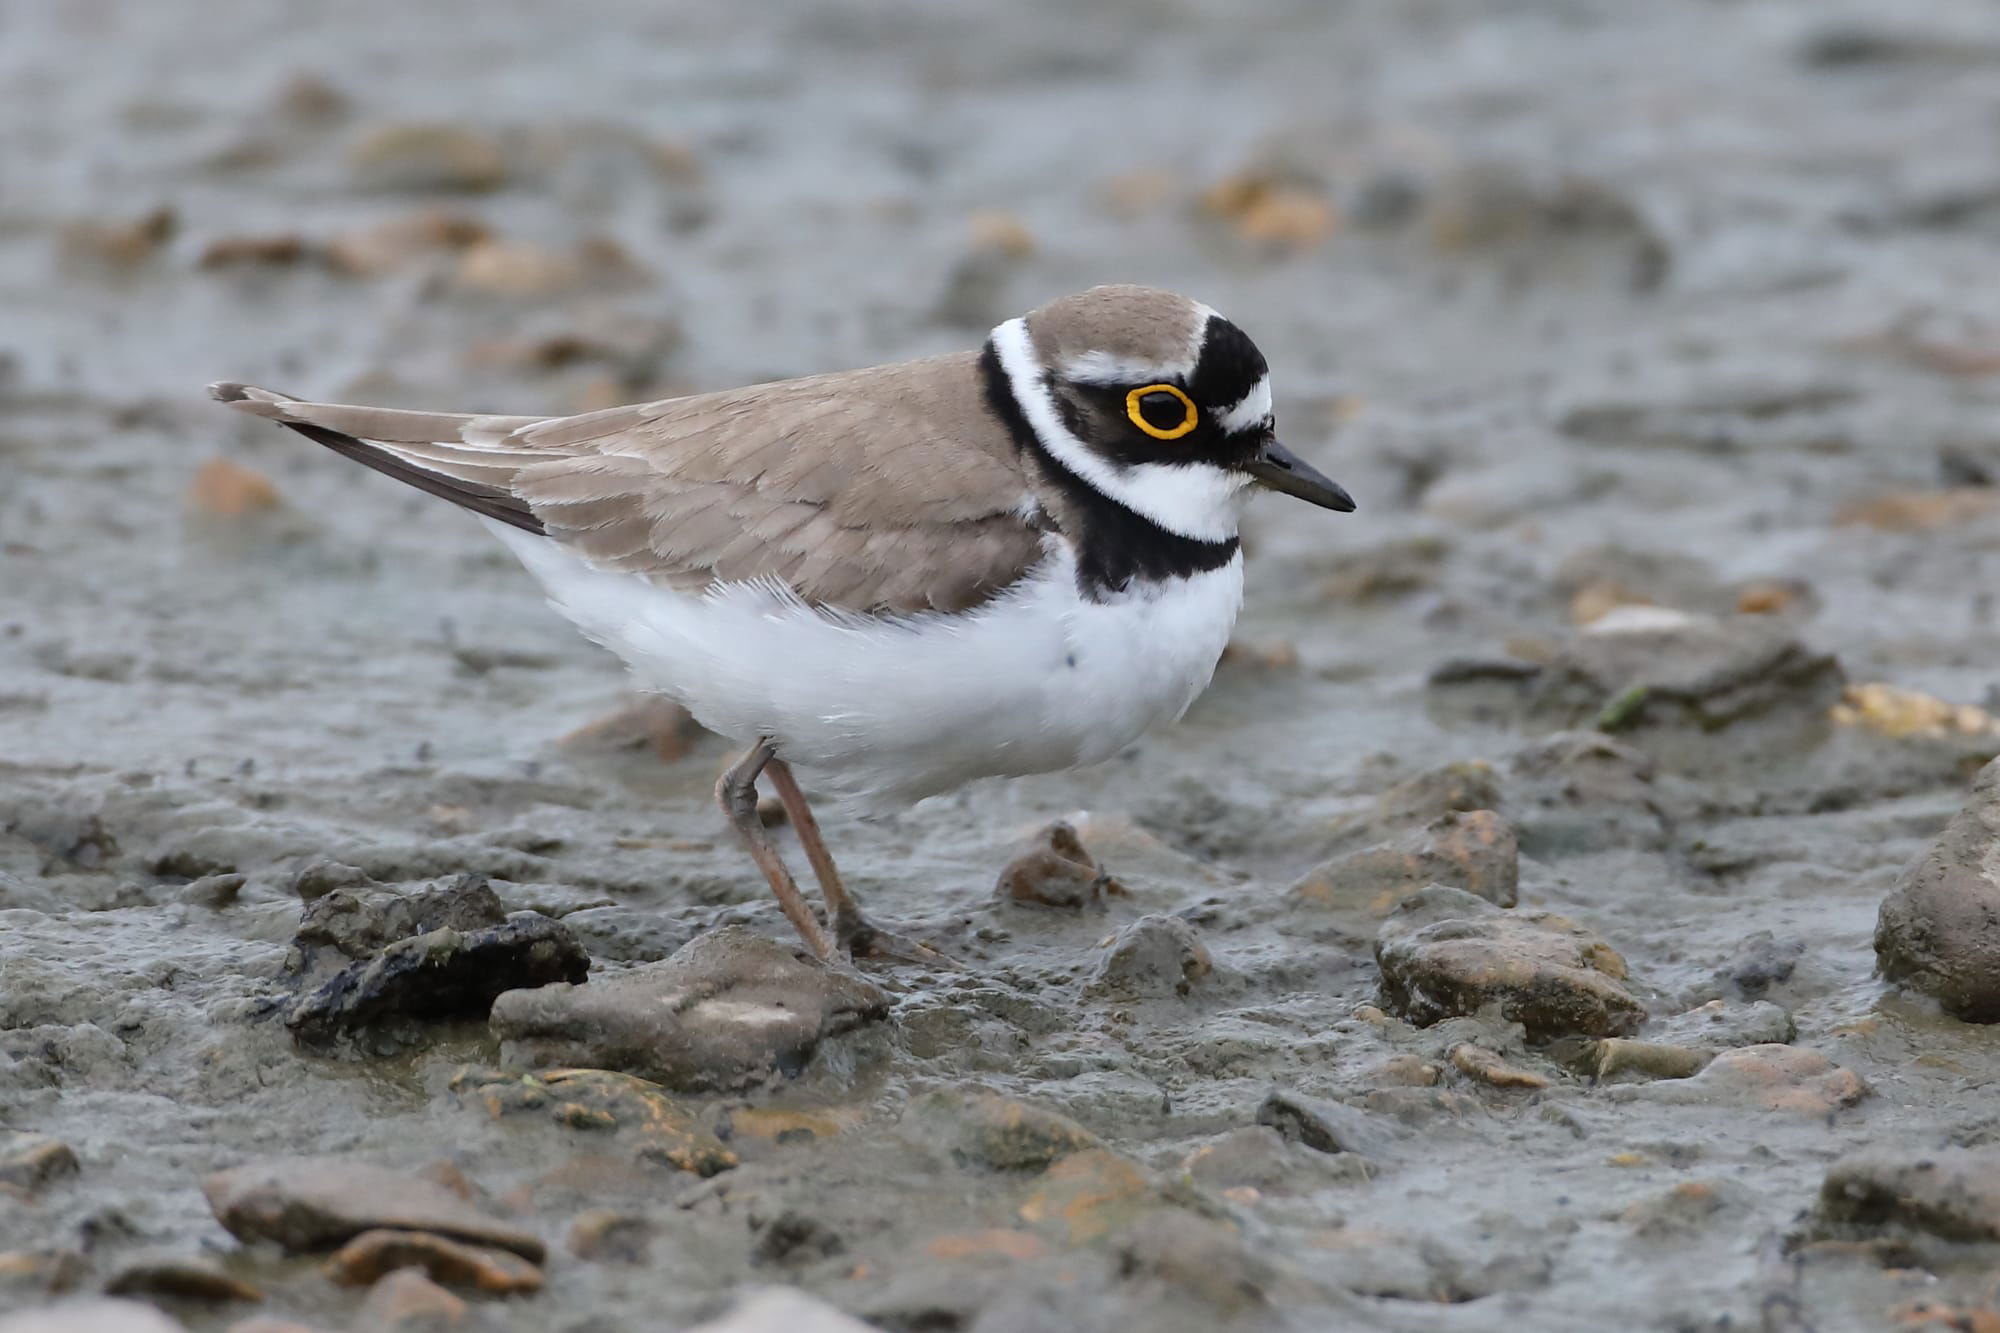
x=1682, y=310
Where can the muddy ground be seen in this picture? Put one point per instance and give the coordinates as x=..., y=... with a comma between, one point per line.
x=1684, y=305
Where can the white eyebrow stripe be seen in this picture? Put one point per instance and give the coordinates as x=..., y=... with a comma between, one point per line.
x=1252, y=409
x=1105, y=369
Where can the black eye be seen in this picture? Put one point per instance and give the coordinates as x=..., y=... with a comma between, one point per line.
x=1161, y=410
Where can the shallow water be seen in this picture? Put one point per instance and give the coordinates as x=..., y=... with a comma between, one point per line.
x=1638, y=294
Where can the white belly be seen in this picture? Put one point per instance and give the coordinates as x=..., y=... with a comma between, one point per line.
x=895, y=710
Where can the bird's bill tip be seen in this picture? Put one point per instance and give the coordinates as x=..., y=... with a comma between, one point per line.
x=1279, y=469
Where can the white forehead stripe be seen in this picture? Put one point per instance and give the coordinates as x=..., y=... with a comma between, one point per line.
x=1104, y=368
x=1195, y=500
x=1253, y=409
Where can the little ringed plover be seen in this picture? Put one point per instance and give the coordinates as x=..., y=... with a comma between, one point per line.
x=902, y=578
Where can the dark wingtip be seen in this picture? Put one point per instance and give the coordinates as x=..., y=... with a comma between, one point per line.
x=228, y=391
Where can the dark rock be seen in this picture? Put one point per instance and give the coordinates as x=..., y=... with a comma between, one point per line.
x=1939, y=929
x=1953, y=1193
x=373, y=1254
x=1259, y=1157
x=1198, y=1257
x=1328, y=1126
x=31, y=1161
x=1445, y=953
x=441, y=974
x=793, y=1239
x=1155, y=956
x=355, y=925
x=113, y=1316
x=729, y=1010
x=1474, y=850
x=1055, y=870
x=1760, y=962
x=319, y=877
x=1720, y=1026
x=178, y=1276
x=986, y=1129
x=317, y=1203
x=1662, y=668
x=1580, y=791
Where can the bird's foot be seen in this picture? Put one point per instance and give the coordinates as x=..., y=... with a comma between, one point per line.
x=865, y=942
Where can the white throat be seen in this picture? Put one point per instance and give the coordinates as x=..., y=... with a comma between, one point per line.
x=1196, y=500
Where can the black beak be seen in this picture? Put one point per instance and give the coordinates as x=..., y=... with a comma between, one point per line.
x=1280, y=469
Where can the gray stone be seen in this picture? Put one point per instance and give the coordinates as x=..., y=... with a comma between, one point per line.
x=1154, y=957
x=1474, y=850
x=983, y=1128
x=1939, y=929
x=1328, y=1126
x=317, y=1203
x=783, y=1310
x=1953, y=1193
x=729, y=1010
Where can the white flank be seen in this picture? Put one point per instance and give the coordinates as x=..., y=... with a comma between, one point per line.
x=1253, y=409
x=1193, y=499
x=898, y=709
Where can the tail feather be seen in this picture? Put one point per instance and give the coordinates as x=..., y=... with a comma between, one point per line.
x=455, y=456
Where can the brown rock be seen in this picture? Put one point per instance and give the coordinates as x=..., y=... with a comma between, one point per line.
x=728, y=1010
x=230, y=490
x=32, y=1161
x=650, y=721
x=1444, y=953
x=406, y=1299
x=237, y=251
x=607, y=1236
x=1488, y=1067
x=1474, y=850
x=1686, y=1209
x=427, y=156
x=658, y=1128
x=1951, y=1192
x=1055, y=870
x=386, y=246
x=1939, y=929
x=120, y=244
x=1616, y=1056
x=50, y=1271
x=266, y=1324
x=1768, y=1077
x=990, y=1130
x=998, y=1242
x=185, y=1277
x=1002, y=233
x=91, y=1317
x=374, y=1254
x=314, y=1203
x=1086, y=1195
x=308, y=99
x=1921, y=511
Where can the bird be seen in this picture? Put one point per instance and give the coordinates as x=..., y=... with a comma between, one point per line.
x=902, y=578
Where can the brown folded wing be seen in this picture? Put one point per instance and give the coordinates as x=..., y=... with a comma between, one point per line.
x=891, y=489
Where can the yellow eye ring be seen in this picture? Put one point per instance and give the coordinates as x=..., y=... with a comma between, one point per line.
x=1187, y=423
